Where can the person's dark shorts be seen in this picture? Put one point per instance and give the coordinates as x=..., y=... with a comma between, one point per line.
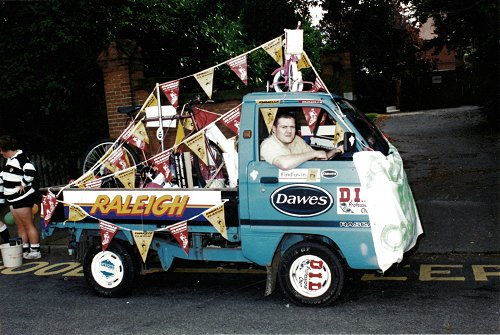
x=28, y=201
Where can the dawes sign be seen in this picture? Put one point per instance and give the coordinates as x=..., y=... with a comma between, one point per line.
x=301, y=200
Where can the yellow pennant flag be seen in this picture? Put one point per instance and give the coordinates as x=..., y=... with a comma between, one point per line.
x=303, y=63
x=206, y=80
x=140, y=133
x=76, y=213
x=127, y=177
x=339, y=134
x=274, y=49
x=179, y=136
x=198, y=145
x=150, y=101
x=143, y=241
x=216, y=217
x=269, y=114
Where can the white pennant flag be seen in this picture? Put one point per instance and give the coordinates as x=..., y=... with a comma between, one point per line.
x=206, y=80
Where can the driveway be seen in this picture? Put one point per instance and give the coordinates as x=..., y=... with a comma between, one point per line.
x=451, y=159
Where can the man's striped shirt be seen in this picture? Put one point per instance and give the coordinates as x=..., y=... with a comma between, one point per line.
x=18, y=170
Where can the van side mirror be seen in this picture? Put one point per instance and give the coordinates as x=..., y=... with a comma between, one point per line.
x=349, y=142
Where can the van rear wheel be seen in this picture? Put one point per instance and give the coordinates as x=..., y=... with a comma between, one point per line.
x=111, y=273
x=311, y=274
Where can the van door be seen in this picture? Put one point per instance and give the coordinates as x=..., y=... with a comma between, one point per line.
x=314, y=195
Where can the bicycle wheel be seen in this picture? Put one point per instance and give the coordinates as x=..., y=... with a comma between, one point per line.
x=98, y=149
x=280, y=81
x=296, y=78
x=292, y=83
x=212, y=171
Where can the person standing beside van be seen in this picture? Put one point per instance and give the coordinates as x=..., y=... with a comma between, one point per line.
x=16, y=189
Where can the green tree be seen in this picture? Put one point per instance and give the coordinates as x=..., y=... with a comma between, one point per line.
x=383, y=46
x=51, y=87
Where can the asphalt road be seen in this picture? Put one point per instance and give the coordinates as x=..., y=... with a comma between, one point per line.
x=451, y=160
x=427, y=294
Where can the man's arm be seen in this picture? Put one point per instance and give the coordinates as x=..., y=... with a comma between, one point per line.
x=287, y=162
x=335, y=152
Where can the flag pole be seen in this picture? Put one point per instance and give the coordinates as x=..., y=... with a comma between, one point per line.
x=159, y=132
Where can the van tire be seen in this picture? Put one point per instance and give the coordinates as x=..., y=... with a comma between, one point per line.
x=122, y=269
x=311, y=258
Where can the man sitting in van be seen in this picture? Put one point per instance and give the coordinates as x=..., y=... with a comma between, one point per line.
x=285, y=150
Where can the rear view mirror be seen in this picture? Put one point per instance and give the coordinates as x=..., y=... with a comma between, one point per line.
x=349, y=142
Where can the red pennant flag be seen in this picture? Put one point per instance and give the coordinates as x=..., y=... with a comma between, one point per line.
x=180, y=232
x=232, y=119
x=117, y=158
x=311, y=114
x=94, y=183
x=127, y=131
x=136, y=135
x=49, y=203
x=239, y=66
x=171, y=91
x=203, y=118
x=162, y=162
x=319, y=85
x=108, y=231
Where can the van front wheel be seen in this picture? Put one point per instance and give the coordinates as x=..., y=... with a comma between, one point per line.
x=311, y=274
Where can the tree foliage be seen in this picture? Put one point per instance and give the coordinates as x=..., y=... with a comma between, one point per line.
x=51, y=85
x=384, y=46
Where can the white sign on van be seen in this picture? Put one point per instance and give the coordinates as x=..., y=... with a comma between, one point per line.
x=350, y=200
x=299, y=176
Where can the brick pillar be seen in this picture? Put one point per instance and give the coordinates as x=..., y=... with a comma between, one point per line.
x=122, y=69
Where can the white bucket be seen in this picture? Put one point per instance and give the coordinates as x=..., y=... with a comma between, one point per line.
x=12, y=256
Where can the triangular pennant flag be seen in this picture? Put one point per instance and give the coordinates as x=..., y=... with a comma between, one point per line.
x=117, y=159
x=150, y=101
x=302, y=63
x=311, y=114
x=48, y=207
x=138, y=136
x=203, y=118
x=127, y=177
x=86, y=178
x=179, y=136
x=232, y=119
x=269, y=114
x=127, y=131
x=197, y=144
x=180, y=232
x=274, y=49
x=108, y=231
x=171, y=91
x=76, y=213
x=94, y=183
x=206, y=81
x=319, y=85
x=239, y=66
x=216, y=217
x=162, y=161
x=143, y=241
x=339, y=134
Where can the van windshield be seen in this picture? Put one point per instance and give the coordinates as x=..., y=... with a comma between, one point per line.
x=371, y=134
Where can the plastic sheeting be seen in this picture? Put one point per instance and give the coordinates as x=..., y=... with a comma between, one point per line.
x=394, y=219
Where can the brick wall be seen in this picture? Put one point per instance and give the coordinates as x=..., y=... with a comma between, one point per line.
x=122, y=68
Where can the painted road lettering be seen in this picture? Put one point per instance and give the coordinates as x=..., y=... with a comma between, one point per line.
x=426, y=273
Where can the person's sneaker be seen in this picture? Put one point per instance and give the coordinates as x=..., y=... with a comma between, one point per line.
x=32, y=255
